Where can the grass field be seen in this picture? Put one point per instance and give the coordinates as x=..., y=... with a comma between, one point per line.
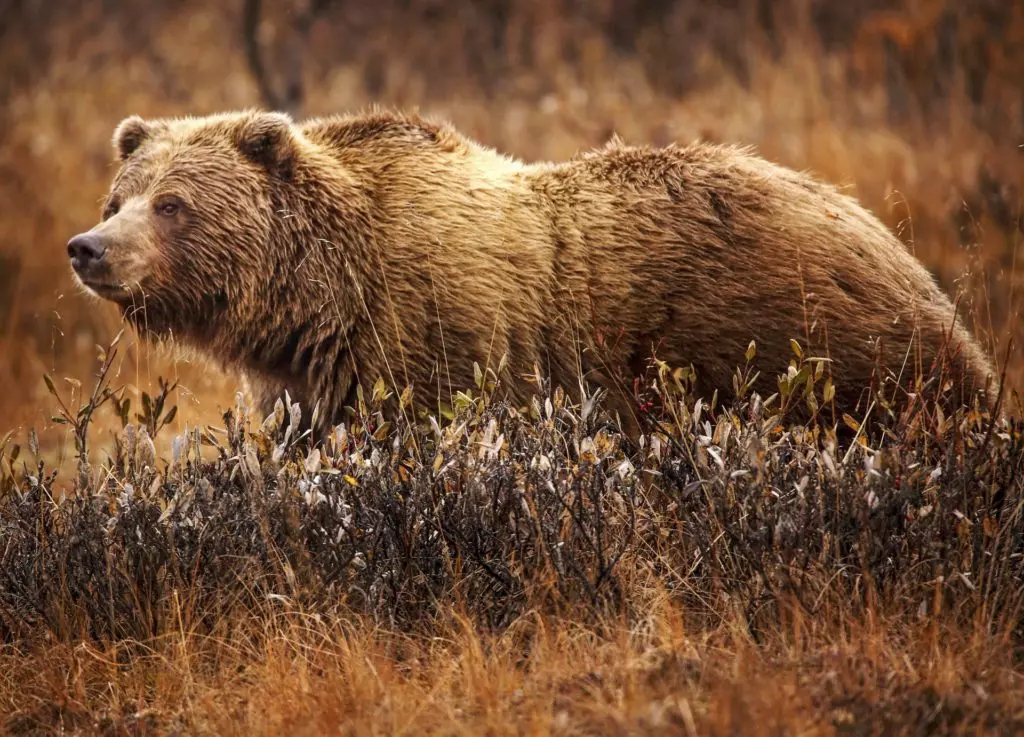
x=727, y=577
x=519, y=571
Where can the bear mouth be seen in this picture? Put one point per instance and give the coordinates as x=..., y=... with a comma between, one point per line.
x=107, y=290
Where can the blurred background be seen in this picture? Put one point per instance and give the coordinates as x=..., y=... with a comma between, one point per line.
x=915, y=106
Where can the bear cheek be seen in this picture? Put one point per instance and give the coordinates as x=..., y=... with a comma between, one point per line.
x=147, y=258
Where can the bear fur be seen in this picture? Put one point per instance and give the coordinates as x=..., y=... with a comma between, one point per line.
x=311, y=256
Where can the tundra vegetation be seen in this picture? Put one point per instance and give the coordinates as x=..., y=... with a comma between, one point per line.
x=172, y=561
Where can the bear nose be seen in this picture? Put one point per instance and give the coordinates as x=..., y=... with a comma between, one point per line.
x=84, y=250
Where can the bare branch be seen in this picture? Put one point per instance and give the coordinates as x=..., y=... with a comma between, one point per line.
x=250, y=38
x=288, y=96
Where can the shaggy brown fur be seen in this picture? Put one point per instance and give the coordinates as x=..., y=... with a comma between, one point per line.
x=343, y=249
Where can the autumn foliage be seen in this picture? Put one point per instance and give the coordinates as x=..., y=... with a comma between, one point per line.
x=510, y=569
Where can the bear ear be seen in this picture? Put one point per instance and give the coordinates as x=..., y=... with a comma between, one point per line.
x=267, y=139
x=130, y=133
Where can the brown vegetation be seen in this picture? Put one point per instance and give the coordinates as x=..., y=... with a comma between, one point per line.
x=518, y=571
x=730, y=604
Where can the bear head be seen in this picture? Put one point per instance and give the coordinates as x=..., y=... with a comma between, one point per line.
x=186, y=227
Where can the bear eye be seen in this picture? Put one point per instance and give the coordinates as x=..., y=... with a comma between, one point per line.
x=168, y=208
x=111, y=209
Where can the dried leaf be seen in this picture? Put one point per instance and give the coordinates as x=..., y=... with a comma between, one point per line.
x=312, y=463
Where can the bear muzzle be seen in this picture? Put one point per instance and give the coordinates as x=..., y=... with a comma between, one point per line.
x=88, y=255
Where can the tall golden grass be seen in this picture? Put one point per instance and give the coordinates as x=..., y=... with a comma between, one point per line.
x=288, y=674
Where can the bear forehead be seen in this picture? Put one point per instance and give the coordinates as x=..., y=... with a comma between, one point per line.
x=176, y=136
x=192, y=124
x=179, y=153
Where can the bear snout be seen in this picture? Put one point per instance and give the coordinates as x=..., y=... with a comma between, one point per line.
x=86, y=251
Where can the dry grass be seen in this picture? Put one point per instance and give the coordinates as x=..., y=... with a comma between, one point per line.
x=291, y=674
x=854, y=621
x=520, y=570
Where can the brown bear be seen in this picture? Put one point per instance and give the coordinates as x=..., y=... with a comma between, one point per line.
x=319, y=255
